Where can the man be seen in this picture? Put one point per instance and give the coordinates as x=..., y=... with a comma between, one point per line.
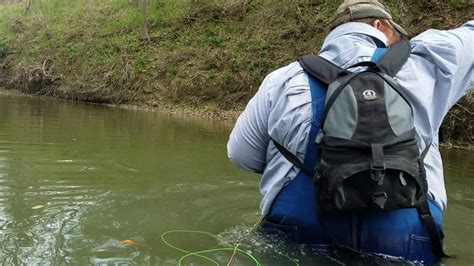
x=438, y=73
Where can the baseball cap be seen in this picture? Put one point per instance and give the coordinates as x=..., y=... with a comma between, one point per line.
x=356, y=9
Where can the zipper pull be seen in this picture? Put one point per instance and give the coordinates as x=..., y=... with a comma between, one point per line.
x=402, y=179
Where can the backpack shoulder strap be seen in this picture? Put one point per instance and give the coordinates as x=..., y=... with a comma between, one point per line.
x=293, y=159
x=426, y=216
x=320, y=68
x=394, y=58
x=425, y=213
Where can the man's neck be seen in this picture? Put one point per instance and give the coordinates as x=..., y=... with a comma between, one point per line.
x=357, y=28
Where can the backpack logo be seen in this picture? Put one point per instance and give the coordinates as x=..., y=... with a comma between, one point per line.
x=369, y=95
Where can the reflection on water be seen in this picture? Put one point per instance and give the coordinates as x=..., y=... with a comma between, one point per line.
x=77, y=180
x=105, y=175
x=459, y=217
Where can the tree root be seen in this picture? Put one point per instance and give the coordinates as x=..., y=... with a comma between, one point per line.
x=34, y=78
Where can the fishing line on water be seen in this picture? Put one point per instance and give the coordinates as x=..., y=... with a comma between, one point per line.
x=235, y=249
x=238, y=242
x=198, y=253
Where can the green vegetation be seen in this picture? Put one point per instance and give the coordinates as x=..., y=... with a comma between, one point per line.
x=206, y=54
x=193, y=52
x=3, y=48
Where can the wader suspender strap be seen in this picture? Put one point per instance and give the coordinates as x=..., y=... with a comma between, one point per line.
x=425, y=214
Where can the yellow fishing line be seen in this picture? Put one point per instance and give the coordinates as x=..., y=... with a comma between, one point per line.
x=211, y=250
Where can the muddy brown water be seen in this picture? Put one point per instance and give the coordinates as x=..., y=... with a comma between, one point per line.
x=86, y=184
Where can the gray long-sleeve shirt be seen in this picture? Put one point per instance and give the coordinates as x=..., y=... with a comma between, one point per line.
x=437, y=74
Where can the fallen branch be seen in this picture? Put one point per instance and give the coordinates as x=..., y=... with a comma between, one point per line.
x=47, y=75
x=465, y=109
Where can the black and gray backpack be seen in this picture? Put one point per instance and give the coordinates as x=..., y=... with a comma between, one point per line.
x=368, y=154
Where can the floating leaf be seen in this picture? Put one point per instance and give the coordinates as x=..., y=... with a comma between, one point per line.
x=37, y=207
x=128, y=242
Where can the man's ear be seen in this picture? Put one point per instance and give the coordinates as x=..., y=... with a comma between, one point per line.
x=377, y=23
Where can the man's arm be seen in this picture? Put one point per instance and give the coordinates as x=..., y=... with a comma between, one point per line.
x=442, y=61
x=249, y=139
x=437, y=74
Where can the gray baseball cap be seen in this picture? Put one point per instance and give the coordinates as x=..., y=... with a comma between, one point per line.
x=356, y=9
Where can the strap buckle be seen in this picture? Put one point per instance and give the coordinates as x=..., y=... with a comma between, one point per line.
x=377, y=173
x=380, y=198
x=424, y=216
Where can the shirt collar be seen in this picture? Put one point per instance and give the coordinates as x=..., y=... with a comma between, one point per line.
x=371, y=34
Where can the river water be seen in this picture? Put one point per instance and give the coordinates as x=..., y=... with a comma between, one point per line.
x=85, y=184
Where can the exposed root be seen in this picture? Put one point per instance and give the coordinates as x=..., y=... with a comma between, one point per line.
x=34, y=78
x=46, y=68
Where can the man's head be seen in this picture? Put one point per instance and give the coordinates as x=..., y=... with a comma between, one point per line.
x=371, y=12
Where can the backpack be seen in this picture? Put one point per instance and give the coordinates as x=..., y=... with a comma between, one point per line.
x=368, y=158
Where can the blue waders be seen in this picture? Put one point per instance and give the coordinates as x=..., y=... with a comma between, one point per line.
x=398, y=233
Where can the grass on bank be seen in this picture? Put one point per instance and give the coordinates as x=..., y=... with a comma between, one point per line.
x=197, y=51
